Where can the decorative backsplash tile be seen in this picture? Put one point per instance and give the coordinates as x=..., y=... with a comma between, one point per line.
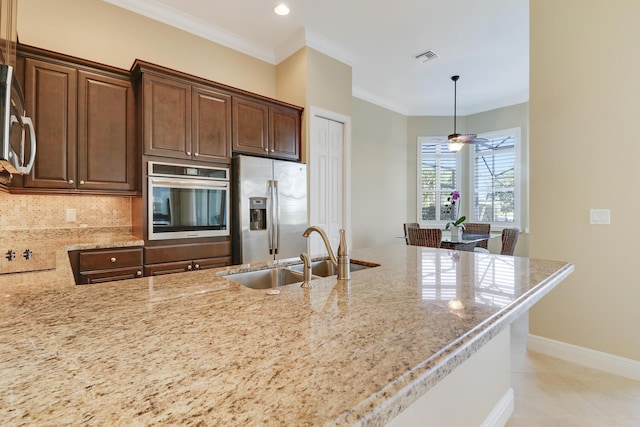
x=19, y=211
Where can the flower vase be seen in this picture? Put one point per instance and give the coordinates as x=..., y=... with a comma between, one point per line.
x=456, y=233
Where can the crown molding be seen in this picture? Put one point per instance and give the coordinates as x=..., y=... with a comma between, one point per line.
x=381, y=102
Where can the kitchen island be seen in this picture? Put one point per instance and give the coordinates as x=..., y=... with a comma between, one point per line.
x=197, y=349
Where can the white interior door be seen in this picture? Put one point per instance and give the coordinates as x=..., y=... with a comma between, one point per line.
x=327, y=180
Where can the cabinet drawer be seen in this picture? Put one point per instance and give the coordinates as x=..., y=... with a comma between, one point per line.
x=167, y=268
x=110, y=259
x=91, y=277
x=186, y=252
x=203, y=264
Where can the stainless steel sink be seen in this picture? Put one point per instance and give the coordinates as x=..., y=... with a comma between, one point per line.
x=268, y=278
x=325, y=268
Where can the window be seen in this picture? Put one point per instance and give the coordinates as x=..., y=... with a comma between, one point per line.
x=437, y=179
x=492, y=180
x=495, y=178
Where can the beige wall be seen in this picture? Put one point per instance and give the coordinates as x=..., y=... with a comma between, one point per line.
x=583, y=113
x=378, y=175
x=310, y=78
x=99, y=31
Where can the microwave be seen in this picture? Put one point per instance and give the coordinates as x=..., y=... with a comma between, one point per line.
x=14, y=126
x=187, y=201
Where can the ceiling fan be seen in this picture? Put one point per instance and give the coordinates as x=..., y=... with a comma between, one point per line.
x=456, y=140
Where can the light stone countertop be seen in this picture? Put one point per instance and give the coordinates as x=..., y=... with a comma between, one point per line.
x=196, y=349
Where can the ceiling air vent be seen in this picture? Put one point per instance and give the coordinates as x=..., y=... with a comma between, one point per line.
x=426, y=56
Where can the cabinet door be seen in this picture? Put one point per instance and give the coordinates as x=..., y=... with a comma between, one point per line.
x=211, y=127
x=284, y=133
x=106, y=136
x=166, y=111
x=250, y=126
x=50, y=97
x=92, y=277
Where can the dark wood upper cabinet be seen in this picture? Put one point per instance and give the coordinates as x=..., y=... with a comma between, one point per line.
x=188, y=117
x=181, y=119
x=166, y=117
x=211, y=124
x=50, y=98
x=265, y=129
x=84, y=118
x=106, y=135
x=250, y=126
x=284, y=132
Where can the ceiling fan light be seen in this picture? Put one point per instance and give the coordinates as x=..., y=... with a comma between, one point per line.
x=455, y=146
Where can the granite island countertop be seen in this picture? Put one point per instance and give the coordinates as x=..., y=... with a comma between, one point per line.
x=196, y=349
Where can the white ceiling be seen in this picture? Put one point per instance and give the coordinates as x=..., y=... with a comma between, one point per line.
x=485, y=42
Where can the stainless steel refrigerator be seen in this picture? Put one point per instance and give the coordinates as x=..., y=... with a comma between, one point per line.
x=269, y=209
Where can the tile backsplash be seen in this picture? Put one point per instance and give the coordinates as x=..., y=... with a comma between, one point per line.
x=19, y=211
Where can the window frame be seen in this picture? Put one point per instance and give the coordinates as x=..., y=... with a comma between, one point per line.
x=433, y=140
x=517, y=172
x=465, y=174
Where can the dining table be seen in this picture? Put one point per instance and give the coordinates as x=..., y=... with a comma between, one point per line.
x=465, y=242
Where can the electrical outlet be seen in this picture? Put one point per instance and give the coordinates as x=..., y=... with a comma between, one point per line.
x=71, y=215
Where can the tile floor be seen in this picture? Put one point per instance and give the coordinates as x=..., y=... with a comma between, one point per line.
x=550, y=392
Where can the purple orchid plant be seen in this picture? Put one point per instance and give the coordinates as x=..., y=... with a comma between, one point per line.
x=453, y=199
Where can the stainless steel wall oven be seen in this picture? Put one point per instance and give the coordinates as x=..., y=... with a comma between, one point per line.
x=187, y=201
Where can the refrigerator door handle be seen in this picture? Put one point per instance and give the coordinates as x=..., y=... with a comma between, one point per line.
x=276, y=215
x=270, y=217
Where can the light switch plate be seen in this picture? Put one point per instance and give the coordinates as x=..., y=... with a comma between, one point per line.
x=600, y=216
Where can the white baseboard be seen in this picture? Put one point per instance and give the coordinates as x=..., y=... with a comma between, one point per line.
x=583, y=356
x=501, y=412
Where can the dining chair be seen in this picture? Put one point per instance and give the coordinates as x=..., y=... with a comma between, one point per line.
x=509, y=240
x=407, y=226
x=430, y=237
x=479, y=228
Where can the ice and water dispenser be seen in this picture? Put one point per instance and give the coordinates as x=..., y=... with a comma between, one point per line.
x=257, y=213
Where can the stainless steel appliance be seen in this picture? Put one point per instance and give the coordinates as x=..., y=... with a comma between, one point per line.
x=187, y=201
x=269, y=209
x=14, y=126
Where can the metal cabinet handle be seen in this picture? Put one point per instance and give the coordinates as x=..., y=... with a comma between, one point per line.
x=272, y=150
x=188, y=153
x=189, y=267
x=70, y=181
x=81, y=182
x=196, y=154
x=266, y=149
x=113, y=259
x=197, y=266
x=138, y=273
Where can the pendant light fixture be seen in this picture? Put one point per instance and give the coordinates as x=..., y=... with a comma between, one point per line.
x=456, y=140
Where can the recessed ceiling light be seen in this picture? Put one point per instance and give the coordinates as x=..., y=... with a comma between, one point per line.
x=281, y=9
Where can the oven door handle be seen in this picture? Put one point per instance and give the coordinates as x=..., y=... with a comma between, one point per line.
x=186, y=183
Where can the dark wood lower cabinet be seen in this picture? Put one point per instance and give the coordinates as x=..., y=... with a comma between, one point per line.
x=169, y=259
x=93, y=277
x=182, y=266
x=106, y=265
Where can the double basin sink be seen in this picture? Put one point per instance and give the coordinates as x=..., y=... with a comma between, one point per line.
x=280, y=276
